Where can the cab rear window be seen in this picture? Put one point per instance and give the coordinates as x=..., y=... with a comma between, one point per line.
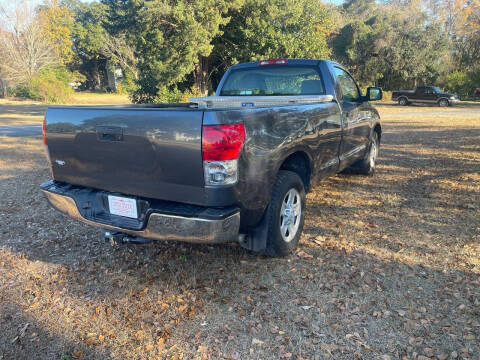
x=274, y=80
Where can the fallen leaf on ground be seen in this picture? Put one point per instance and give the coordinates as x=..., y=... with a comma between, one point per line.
x=78, y=354
x=304, y=255
x=256, y=341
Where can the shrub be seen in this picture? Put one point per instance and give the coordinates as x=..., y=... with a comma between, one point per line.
x=126, y=86
x=51, y=86
x=121, y=89
x=459, y=83
x=23, y=92
x=175, y=95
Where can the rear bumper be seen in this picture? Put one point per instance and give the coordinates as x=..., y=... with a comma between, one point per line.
x=220, y=226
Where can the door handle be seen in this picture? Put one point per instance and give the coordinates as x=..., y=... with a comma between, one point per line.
x=109, y=133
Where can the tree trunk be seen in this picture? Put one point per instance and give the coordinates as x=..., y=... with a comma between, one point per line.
x=96, y=75
x=3, y=88
x=201, y=75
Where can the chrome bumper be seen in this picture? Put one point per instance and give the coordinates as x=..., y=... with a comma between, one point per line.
x=161, y=226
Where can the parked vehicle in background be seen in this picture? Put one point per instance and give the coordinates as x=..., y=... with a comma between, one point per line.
x=231, y=167
x=426, y=95
x=476, y=93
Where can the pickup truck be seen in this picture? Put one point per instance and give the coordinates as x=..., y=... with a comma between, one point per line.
x=233, y=167
x=424, y=94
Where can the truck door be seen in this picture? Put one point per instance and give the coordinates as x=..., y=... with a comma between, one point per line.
x=430, y=95
x=356, y=120
x=425, y=94
x=420, y=94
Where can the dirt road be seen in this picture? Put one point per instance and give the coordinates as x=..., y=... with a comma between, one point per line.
x=388, y=267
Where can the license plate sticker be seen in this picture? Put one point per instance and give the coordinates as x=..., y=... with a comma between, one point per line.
x=122, y=206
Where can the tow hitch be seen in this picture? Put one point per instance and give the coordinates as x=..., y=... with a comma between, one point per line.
x=119, y=238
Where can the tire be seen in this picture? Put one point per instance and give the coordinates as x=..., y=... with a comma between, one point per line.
x=443, y=103
x=285, y=215
x=367, y=165
x=403, y=101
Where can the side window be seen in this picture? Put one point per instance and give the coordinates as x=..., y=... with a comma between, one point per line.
x=347, y=85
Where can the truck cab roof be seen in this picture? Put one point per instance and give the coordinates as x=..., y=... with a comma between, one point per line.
x=289, y=62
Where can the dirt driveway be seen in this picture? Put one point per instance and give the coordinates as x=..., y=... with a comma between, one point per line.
x=388, y=267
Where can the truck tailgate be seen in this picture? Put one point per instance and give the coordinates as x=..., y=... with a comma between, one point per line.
x=154, y=153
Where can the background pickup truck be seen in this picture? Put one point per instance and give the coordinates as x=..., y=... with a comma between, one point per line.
x=231, y=167
x=424, y=94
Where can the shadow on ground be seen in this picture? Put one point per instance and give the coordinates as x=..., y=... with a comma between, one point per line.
x=388, y=265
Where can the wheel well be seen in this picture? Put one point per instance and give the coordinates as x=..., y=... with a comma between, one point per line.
x=299, y=163
x=378, y=130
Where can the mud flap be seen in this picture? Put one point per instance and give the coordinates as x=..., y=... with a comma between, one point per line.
x=256, y=239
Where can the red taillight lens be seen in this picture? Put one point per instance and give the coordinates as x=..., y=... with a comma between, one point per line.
x=44, y=132
x=222, y=142
x=273, y=62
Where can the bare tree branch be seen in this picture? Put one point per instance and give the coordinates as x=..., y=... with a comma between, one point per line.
x=24, y=50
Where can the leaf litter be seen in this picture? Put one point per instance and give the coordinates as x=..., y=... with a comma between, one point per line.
x=388, y=267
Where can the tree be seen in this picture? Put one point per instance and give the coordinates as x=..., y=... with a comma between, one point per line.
x=358, y=9
x=172, y=40
x=89, y=36
x=178, y=43
x=24, y=49
x=56, y=22
x=397, y=45
x=462, y=19
x=273, y=29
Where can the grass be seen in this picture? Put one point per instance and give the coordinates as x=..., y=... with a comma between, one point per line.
x=99, y=98
x=27, y=112
x=388, y=266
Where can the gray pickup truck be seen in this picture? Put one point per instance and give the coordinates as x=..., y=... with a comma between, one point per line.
x=230, y=167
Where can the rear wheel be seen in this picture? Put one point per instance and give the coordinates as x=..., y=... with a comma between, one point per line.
x=286, y=214
x=443, y=102
x=402, y=101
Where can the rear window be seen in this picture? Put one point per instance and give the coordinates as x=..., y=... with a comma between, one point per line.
x=274, y=80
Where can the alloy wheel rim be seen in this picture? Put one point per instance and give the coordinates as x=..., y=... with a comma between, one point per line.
x=290, y=214
x=373, y=154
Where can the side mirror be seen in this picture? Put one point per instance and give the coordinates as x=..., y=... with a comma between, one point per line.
x=374, y=94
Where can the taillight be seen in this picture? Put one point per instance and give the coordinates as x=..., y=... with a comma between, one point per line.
x=222, y=142
x=221, y=147
x=44, y=131
x=44, y=137
x=273, y=62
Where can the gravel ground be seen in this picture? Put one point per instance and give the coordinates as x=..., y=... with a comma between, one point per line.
x=388, y=267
